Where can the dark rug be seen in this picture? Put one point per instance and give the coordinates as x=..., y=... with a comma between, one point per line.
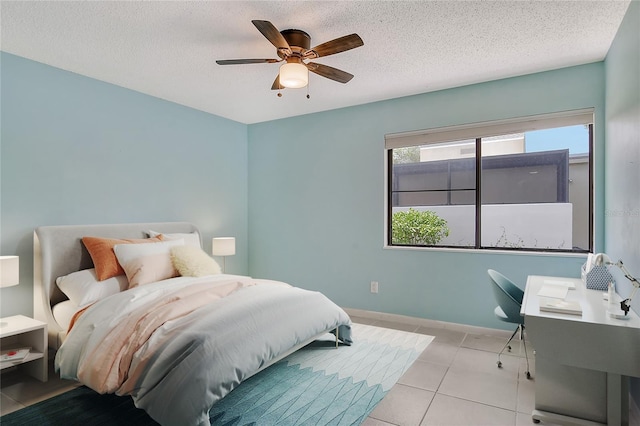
x=80, y=406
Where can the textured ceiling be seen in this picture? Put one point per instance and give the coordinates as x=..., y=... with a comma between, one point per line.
x=168, y=49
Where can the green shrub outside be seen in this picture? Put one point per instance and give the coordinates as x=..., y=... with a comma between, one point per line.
x=418, y=228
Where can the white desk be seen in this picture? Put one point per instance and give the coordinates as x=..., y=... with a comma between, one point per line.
x=582, y=361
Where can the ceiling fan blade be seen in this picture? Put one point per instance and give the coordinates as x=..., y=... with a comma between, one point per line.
x=338, y=45
x=330, y=72
x=246, y=61
x=276, y=84
x=272, y=34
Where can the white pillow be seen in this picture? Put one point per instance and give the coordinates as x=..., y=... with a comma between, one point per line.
x=146, y=263
x=83, y=287
x=63, y=313
x=190, y=239
x=193, y=262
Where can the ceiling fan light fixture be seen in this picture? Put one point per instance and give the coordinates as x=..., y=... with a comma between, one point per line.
x=294, y=75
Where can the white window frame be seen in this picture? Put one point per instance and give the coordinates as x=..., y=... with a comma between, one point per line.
x=483, y=130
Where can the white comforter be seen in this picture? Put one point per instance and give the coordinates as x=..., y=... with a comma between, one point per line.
x=178, y=346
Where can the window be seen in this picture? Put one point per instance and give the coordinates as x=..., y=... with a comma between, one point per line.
x=518, y=184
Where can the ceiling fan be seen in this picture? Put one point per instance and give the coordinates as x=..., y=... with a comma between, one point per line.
x=293, y=46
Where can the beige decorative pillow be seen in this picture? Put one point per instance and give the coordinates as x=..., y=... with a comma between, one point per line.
x=149, y=269
x=191, y=261
x=146, y=263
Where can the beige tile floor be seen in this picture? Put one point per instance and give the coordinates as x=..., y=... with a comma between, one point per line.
x=455, y=381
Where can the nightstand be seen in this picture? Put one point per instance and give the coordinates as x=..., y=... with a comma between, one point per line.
x=19, y=332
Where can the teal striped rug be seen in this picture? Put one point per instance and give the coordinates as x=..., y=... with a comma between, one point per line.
x=317, y=385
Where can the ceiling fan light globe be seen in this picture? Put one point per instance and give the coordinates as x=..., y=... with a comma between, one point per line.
x=294, y=75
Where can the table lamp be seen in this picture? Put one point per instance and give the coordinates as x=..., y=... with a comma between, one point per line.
x=9, y=273
x=603, y=259
x=223, y=246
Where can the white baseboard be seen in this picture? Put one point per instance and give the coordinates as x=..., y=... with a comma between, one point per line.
x=424, y=322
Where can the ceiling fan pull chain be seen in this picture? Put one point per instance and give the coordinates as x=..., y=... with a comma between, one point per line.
x=308, y=83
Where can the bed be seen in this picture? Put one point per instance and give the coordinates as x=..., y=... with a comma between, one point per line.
x=177, y=344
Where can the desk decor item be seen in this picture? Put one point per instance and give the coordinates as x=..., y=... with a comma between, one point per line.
x=598, y=278
x=596, y=275
x=553, y=291
x=561, y=306
x=602, y=259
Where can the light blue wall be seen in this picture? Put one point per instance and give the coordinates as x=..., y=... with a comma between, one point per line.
x=75, y=151
x=316, y=199
x=622, y=168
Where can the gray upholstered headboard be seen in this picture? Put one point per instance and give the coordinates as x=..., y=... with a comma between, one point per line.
x=58, y=251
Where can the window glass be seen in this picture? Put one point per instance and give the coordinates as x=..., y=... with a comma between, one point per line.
x=433, y=189
x=528, y=193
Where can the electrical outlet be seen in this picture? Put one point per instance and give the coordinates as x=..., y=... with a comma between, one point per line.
x=374, y=286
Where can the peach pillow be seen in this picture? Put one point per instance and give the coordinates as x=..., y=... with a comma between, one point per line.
x=103, y=256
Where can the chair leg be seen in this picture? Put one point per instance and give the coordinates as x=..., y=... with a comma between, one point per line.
x=507, y=345
x=526, y=354
x=524, y=342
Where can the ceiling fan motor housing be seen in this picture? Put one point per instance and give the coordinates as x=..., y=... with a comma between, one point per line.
x=297, y=38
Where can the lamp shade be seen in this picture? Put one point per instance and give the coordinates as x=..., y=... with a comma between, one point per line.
x=223, y=246
x=294, y=75
x=9, y=271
